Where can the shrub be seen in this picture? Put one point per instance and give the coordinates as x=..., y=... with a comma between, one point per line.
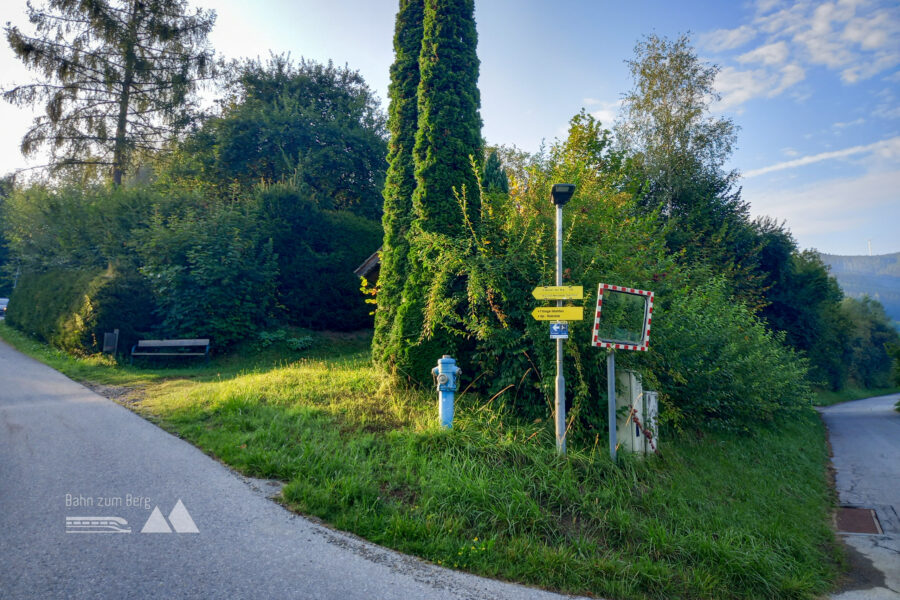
x=71, y=309
x=73, y=227
x=717, y=363
x=280, y=336
x=871, y=336
x=211, y=271
x=483, y=282
x=894, y=351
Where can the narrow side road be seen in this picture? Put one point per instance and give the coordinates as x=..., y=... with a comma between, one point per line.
x=865, y=440
x=83, y=482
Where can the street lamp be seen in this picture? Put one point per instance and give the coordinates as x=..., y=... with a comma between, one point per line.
x=560, y=193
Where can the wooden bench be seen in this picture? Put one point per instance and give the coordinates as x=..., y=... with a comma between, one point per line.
x=170, y=348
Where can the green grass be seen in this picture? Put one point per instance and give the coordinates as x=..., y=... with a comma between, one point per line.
x=715, y=516
x=103, y=369
x=828, y=397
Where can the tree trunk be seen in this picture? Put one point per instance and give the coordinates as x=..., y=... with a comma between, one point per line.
x=124, y=98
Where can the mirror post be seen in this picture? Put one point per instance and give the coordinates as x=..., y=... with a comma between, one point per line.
x=559, y=195
x=611, y=395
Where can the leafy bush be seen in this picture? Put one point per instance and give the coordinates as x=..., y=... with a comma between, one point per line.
x=72, y=227
x=483, y=283
x=212, y=272
x=72, y=309
x=894, y=351
x=718, y=365
x=871, y=336
x=267, y=339
x=320, y=123
x=216, y=269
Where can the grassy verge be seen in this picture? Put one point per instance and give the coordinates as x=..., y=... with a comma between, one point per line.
x=102, y=369
x=828, y=397
x=715, y=516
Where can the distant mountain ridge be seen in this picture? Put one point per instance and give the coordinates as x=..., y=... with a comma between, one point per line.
x=875, y=276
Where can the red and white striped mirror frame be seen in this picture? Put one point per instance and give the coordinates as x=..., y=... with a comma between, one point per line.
x=648, y=317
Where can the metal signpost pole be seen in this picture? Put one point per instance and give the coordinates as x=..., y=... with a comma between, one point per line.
x=559, y=195
x=560, y=379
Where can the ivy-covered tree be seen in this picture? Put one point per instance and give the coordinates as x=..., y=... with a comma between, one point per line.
x=448, y=140
x=117, y=77
x=403, y=120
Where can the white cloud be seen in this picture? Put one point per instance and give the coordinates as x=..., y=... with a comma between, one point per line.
x=737, y=87
x=888, y=106
x=844, y=125
x=764, y=6
x=885, y=149
x=860, y=45
x=874, y=33
x=770, y=54
x=727, y=39
x=790, y=75
x=603, y=111
x=858, y=39
x=830, y=206
x=785, y=21
x=606, y=112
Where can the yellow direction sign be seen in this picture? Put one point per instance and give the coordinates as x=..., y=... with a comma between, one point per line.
x=558, y=292
x=558, y=313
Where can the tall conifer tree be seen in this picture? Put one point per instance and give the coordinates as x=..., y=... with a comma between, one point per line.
x=449, y=132
x=403, y=120
x=118, y=77
x=448, y=138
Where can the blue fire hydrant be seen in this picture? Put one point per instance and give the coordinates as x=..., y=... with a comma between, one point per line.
x=446, y=377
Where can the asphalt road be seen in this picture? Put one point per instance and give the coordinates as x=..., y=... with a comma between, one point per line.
x=69, y=457
x=865, y=441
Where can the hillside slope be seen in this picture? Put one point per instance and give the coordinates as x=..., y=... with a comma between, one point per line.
x=875, y=276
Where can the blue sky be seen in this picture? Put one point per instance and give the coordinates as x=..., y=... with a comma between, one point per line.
x=814, y=86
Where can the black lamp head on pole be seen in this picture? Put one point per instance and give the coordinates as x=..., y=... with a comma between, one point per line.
x=561, y=193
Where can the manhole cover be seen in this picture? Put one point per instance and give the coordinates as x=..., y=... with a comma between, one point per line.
x=857, y=520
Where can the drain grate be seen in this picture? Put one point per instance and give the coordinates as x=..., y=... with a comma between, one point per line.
x=857, y=520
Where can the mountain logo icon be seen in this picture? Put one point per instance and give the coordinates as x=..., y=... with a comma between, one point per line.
x=180, y=520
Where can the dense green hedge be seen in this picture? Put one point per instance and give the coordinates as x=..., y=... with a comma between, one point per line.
x=317, y=251
x=72, y=309
x=201, y=266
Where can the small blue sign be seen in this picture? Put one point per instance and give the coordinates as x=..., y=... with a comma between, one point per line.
x=559, y=330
